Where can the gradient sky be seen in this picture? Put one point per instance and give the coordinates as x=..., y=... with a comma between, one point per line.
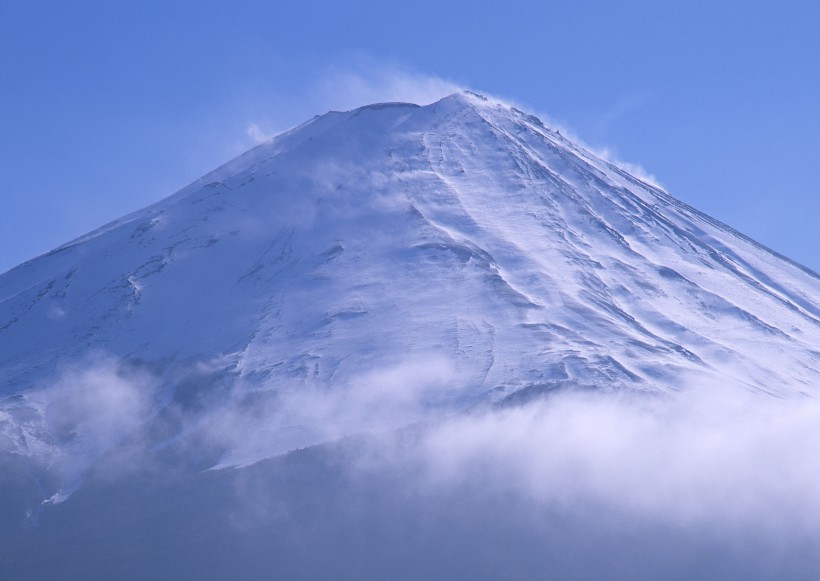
x=106, y=107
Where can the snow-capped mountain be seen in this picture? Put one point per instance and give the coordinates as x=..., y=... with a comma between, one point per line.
x=396, y=323
x=460, y=252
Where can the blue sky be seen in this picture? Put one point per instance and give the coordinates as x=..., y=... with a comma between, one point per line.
x=109, y=106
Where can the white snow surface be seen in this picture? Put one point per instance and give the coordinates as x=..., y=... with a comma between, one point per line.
x=451, y=255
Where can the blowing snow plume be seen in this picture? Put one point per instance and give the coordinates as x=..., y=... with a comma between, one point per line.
x=451, y=301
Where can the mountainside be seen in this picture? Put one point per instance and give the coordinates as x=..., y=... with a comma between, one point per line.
x=404, y=342
x=458, y=254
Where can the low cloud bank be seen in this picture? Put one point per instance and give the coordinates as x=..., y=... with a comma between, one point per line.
x=703, y=456
x=707, y=470
x=711, y=458
x=707, y=458
x=709, y=483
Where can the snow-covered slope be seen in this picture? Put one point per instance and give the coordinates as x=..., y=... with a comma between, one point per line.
x=451, y=255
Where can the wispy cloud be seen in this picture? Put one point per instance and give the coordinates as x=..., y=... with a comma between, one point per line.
x=298, y=416
x=256, y=134
x=344, y=88
x=635, y=169
x=360, y=81
x=88, y=410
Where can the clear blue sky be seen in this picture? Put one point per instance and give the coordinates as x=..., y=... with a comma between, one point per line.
x=106, y=107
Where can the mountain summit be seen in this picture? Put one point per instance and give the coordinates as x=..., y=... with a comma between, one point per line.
x=462, y=247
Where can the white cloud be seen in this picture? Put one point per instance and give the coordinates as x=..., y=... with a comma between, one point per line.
x=343, y=88
x=256, y=134
x=734, y=466
x=706, y=458
x=292, y=417
x=585, y=485
x=90, y=408
x=635, y=169
x=360, y=81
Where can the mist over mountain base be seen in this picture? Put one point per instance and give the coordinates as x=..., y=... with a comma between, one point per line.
x=576, y=484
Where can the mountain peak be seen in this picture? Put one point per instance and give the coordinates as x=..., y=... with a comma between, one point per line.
x=466, y=98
